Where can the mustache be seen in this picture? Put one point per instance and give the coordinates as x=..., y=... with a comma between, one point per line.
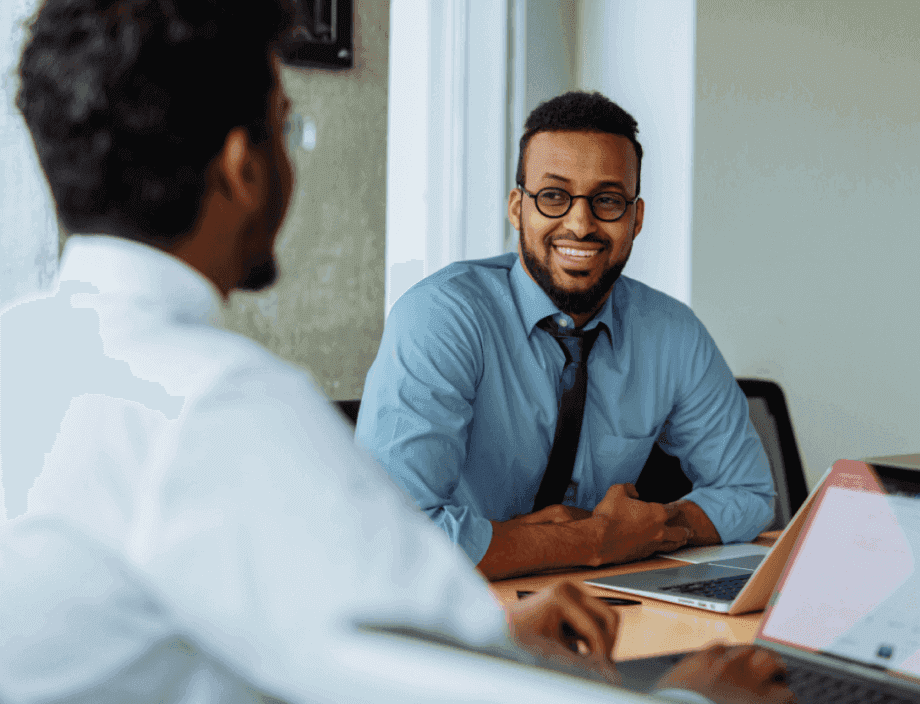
x=592, y=237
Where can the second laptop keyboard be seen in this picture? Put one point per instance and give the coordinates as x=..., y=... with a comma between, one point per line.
x=723, y=589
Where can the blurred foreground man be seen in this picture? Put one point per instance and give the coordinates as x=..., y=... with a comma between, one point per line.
x=517, y=398
x=189, y=521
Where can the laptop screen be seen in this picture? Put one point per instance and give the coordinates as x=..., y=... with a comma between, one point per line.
x=851, y=586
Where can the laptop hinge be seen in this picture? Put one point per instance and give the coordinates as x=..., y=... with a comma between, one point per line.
x=820, y=657
x=851, y=661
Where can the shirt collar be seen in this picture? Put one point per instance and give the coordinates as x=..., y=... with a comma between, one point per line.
x=132, y=270
x=533, y=304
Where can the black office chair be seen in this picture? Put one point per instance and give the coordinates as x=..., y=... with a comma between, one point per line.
x=663, y=481
x=771, y=418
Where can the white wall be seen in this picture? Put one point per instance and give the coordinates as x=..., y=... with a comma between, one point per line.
x=28, y=228
x=639, y=53
x=806, y=212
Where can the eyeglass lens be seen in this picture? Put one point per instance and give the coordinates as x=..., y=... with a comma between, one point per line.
x=555, y=202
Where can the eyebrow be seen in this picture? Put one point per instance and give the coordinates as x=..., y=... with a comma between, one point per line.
x=602, y=184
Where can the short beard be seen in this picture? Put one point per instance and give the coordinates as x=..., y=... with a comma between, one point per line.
x=260, y=276
x=572, y=303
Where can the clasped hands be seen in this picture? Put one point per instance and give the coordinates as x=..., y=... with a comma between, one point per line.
x=623, y=528
x=564, y=624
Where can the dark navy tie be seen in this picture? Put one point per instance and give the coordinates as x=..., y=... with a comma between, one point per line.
x=576, y=344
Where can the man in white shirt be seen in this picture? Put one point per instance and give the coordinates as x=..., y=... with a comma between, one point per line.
x=189, y=519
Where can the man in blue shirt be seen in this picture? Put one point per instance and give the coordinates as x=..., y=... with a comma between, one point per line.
x=461, y=404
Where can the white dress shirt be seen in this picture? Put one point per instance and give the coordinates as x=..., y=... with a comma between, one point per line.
x=202, y=502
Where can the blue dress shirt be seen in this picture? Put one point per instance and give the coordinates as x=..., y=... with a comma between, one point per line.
x=460, y=405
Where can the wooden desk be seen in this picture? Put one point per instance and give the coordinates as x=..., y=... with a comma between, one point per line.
x=655, y=627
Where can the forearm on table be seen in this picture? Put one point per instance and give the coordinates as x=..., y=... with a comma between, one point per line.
x=518, y=547
x=689, y=515
x=738, y=513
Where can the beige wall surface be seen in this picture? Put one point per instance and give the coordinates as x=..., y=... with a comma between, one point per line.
x=806, y=212
x=326, y=312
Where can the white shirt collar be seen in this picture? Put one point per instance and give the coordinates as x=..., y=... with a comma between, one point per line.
x=132, y=270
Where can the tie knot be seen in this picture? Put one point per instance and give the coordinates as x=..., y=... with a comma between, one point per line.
x=575, y=343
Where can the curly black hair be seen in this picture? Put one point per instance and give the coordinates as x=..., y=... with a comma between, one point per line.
x=128, y=101
x=580, y=111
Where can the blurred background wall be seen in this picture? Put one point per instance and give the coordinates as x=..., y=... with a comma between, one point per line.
x=326, y=311
x=28, y=227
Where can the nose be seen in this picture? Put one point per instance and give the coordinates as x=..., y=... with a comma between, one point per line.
x=580, y=220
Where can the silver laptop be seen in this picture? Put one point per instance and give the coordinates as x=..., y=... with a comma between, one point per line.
x=733, y=579
x=845, y=616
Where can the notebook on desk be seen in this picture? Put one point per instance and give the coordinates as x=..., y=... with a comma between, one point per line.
x=845, y=616
x=737, y=579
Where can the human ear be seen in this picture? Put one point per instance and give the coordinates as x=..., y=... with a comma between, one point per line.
x=640, y=216
x=514, y=208
x=239, y=169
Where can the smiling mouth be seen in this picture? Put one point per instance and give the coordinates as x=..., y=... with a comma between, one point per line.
x=576, y=253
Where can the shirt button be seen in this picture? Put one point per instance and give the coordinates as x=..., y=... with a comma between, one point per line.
x=563, y=323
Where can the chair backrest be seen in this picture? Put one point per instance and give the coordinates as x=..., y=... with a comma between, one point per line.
x=770, y=416
x=663, y=481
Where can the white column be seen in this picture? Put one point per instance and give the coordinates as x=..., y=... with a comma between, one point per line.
x=446, y=136
x=640, y=54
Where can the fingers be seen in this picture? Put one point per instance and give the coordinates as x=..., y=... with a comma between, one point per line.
x=765, y=671
x=673, y=511
x=574, y=627
x=594, y=623
x=760, y=671
x=615, y=495
x=707, y=657
x=766, y=667
x=577, y=514
x=676, y=535
x=741, y=674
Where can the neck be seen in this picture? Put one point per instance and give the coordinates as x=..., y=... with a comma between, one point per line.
x=197, y=251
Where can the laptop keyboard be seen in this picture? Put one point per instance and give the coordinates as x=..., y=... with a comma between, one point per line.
x=723, y=589
x=814, y=686
x=820, y=687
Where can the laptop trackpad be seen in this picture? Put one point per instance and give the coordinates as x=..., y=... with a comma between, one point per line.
x=749, y=562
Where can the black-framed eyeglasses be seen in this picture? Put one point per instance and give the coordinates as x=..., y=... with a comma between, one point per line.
x=556, y=202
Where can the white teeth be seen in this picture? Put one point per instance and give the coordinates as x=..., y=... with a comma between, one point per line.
x=572, y=252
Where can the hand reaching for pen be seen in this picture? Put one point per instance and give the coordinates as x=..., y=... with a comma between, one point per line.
x=566, y=625
x=739, y=675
